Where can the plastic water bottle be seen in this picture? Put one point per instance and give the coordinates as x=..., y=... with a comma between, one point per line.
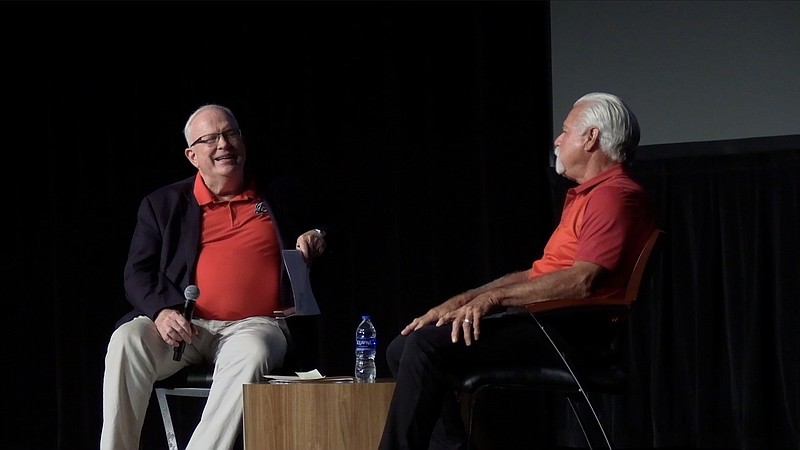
x=366, y=348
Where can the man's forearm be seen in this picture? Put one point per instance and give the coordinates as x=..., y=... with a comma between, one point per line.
x=511, y=279
x=573, y=282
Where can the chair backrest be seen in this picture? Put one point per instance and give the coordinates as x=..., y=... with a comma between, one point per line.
x=641, y=264
x=631, y=293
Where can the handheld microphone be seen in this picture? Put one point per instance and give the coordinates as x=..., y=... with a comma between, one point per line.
x=190, y=294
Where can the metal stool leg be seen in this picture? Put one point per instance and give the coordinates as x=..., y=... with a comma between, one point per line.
x=166, y=417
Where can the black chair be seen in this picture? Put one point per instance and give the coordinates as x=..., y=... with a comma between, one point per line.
x=576, y=377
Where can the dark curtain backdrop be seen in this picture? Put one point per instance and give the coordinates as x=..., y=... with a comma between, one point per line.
x=425, y=129
x=717, y=355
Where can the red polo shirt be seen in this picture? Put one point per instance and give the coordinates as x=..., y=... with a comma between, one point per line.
x=238, y=268
x=606, y=221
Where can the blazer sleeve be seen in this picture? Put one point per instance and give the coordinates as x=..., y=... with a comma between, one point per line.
x=163, y=250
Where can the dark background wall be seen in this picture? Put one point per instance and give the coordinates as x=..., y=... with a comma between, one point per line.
x=426, y=129
x=424, y=126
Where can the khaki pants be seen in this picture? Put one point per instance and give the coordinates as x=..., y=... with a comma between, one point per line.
x=241, y=350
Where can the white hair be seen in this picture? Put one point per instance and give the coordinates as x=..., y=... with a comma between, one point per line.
x=197, y=111
x=619, y=127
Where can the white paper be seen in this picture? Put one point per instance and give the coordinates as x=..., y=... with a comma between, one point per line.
x=310, y=375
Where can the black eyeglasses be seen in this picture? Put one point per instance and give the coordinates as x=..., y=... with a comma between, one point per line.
x=213, y=138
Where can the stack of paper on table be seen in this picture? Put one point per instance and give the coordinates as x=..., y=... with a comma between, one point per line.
x=310, y=376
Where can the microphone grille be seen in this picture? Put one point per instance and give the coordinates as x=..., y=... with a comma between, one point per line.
x=191, y=292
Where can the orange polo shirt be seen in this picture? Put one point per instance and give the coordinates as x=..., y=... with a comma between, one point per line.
x=238, y=268
x=604, y=221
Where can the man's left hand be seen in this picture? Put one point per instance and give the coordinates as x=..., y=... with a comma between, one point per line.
x=311, y=244
x=466, y=320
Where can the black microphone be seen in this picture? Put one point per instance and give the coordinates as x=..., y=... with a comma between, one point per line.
x=190, y=293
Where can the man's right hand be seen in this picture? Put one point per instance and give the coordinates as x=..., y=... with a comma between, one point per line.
x=174, y=328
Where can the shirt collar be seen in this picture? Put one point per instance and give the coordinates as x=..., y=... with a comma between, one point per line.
x=616, y=169
x=205, y=197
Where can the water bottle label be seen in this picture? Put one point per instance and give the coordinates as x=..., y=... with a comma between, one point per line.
x=366, y=343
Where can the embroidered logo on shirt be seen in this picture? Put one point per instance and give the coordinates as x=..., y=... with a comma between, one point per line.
x=261, y=208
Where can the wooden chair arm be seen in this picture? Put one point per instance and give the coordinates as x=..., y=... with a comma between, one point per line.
x=576, y=303
x=631, y=293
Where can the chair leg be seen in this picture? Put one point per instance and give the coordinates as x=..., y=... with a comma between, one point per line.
x=580, y=389
x=470, y=420
x=468, y=403
x=166, y=417
x=577, y=415
x=574, y=406
x=596, y=420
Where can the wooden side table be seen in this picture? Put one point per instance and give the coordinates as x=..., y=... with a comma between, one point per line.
x=315, y=415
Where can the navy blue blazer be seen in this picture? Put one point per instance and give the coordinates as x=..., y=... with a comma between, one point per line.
x=164, y=247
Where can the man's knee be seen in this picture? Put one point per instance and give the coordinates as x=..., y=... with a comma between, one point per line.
x=394, y=352
x=416, y=344
x=133, y=339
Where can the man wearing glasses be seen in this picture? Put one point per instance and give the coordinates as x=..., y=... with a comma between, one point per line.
x=218, y=237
